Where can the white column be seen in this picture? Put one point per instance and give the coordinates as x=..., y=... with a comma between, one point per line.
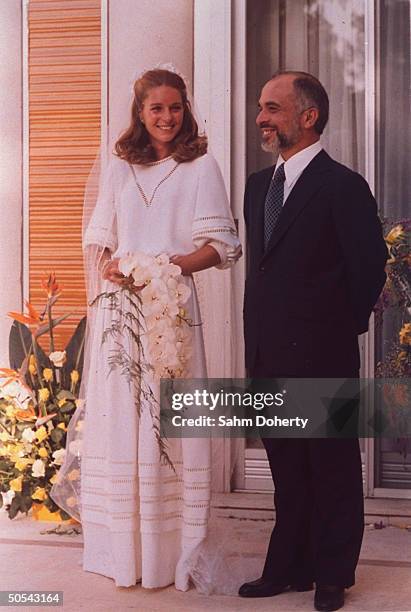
x=10, y=167
x=141, y=35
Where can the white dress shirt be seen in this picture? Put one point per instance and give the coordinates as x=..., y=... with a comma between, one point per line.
x=294, y=166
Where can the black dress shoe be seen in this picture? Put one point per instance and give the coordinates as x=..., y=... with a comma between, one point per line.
x=328, y=598
x=261, y=588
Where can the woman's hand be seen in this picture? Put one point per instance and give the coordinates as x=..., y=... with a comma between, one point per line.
x=111, y=273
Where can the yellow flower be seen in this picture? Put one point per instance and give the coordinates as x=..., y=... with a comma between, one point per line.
x=62, y=426
x=53, y=479
x=32, y=365
x=405, y=334
x=16, y=484
x=39, y=494
x=43, y=452
x=74, y=475
x=48, y=374
x=44, y=395
x=41, y=433
x=396, y=234
x=4, y=436
x=61, y=403
x=22, y=463
x=75, y=376
x=10, y=411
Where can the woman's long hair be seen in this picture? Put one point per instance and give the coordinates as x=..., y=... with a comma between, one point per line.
x=134, y=144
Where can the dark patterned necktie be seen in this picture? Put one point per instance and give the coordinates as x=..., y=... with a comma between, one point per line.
x=273, y=203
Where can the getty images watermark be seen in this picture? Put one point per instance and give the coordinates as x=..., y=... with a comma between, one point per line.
x=313, y=408
x=215, y=401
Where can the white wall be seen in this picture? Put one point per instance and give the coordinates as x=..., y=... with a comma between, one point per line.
x=10, y=167
x=141, y=35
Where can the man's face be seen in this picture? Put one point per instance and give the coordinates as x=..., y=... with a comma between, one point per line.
x=279, y=118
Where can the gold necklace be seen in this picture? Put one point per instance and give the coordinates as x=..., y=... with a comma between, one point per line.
x=148, y=202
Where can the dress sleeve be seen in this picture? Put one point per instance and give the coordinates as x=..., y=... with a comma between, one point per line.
x=213, y=222
x=101, y=229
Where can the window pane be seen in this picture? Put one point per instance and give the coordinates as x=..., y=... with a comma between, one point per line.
x=393, y=457
x=325, y=38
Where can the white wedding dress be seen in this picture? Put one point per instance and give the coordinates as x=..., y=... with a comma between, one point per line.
x=141, y=520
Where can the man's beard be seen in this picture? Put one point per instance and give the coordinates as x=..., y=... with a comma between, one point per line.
x=282, y=141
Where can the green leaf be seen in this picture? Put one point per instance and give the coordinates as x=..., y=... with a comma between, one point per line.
x=57, y=435
x=45, y=328
x=20, y=341
x=14, y=506
x=64, y=515
x=51, y=505
x=75, y=351
x=67, y=395
x=25, y=503
x=68, y=407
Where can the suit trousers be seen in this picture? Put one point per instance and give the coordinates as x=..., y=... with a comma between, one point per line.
x=319, y=509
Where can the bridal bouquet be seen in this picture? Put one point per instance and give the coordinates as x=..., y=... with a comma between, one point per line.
x=149, y=329
x=162, y=295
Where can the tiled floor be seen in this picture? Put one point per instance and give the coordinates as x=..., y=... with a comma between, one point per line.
x=30, y=560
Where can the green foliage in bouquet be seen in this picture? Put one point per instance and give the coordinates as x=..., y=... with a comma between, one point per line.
x=38, y=396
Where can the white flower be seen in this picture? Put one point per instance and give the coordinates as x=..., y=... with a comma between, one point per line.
x=28, y=435
x=183, y=293
x=59, y=456
x=127, y=264
x=8, y=497
x=170, y=270
x=58, y=358
x=154, y=297
x=38, y=468
x=50, y=426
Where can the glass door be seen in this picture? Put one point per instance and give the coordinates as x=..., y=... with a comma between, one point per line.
x=325, y=38
x=392, y=457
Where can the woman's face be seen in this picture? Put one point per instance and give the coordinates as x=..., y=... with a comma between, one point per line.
x=162, y=115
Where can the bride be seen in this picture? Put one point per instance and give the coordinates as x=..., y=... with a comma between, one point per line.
x=160, y=193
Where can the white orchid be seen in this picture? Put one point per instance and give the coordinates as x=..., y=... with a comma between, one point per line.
x=38, y=469
x=128, y=264
x=58, y=358
x=58, y=456
x=8, y=497
x=162, y=297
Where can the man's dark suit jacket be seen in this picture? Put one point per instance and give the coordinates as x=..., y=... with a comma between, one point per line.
x=311, y=293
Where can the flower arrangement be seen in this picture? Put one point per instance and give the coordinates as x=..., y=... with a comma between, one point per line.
x=396, y=297
x=38, y=396
x=149, y=328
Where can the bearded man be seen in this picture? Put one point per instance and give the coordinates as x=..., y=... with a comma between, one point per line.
x=316, y=259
